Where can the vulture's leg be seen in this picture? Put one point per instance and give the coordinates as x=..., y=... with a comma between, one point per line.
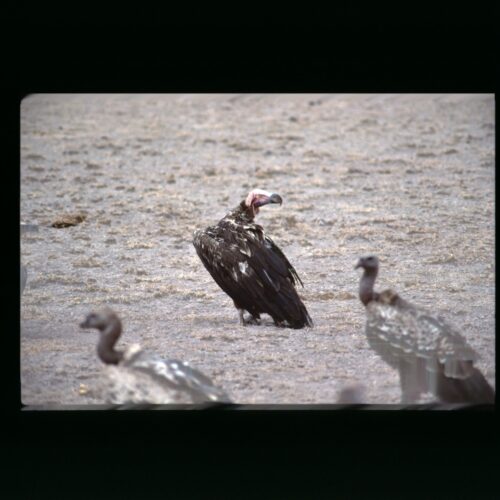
x=242, y=319
x=410, y=381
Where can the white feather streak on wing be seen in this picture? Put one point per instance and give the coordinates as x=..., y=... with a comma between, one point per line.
x=269, y=278
x=243, y=267
x=163, y=369
x=153, y=365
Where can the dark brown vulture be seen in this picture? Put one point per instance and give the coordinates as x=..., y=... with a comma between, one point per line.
x=250, y=267
x=135, y=376
x=431, y=355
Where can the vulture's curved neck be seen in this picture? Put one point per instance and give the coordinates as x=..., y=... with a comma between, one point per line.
x=108, y=338
x=366, y=293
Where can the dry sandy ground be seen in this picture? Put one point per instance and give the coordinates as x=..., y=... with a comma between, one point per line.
x=407, y=177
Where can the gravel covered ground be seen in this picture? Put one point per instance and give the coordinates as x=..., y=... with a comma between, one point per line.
x=407, y=177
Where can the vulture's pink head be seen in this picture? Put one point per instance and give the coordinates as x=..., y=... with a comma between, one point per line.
x=258, y=198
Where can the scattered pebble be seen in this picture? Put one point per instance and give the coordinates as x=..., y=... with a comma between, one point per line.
x=68, y=220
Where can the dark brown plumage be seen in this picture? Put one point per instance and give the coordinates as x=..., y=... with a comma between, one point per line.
x=430, y=354
x=250, y=267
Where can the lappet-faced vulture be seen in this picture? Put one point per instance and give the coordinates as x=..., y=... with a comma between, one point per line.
x=250, y=267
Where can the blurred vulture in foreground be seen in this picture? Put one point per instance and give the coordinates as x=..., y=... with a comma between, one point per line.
x=431, y=355
x=138, y=377
x=250, y=267
x=352, y=395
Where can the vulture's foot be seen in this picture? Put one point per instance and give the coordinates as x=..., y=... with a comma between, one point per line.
x=249, y=320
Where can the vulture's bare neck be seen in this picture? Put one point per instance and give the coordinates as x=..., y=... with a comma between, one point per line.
x=107, y=341
x=366, y=292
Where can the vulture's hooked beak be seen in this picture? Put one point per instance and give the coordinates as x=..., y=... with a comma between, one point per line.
x=275, y=198
x=87, y=322
x=359, y=264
